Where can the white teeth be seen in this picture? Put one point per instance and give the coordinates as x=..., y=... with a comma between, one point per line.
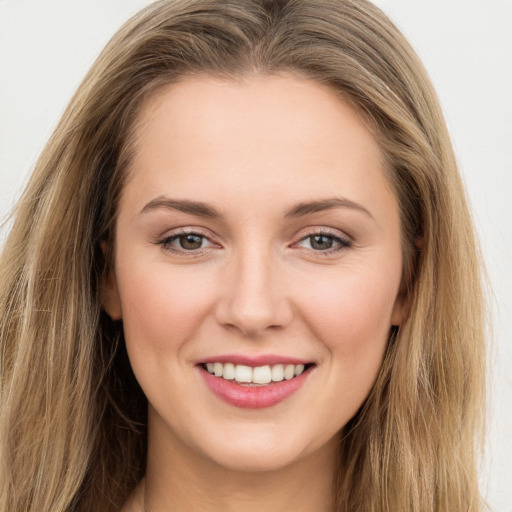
x=218, y=369
x=289, y=371
x=299, y=369
x=278, y=372
x=243, y=373
x=258, y=375
x=229, y=371
x=262, y=375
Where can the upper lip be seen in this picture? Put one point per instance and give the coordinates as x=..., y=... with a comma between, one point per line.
x=260, y=360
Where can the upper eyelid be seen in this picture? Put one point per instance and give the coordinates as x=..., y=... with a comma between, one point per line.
x=186, y=231
x=335, y=233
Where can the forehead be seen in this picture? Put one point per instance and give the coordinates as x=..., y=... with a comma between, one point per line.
x=260, y=102
x=259, y=132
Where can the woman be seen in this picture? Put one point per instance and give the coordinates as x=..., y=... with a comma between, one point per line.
x=244, y=273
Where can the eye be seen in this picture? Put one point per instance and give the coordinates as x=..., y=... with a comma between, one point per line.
x=185, y=241
x=324, y=242
x=190, y=242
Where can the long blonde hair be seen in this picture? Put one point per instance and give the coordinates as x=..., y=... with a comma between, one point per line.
x=73, y=419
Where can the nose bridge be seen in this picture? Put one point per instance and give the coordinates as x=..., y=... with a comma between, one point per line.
x=253, y=298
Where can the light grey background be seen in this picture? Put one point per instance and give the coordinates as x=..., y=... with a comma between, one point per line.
x=46, y=47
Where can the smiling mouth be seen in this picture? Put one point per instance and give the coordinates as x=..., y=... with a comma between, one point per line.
x=255, y=376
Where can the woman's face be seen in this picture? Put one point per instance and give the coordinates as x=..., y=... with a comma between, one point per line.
x=256, y=229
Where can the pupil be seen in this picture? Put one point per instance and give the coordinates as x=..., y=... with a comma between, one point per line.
x=191, y=242
x=321, y=242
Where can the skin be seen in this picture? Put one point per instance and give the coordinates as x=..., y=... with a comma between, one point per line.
x=253, y=149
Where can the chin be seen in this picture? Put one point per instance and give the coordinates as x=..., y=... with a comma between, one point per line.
x=256, y=460
x=256, y=453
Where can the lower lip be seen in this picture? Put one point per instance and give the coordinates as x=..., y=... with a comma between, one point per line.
x=253, y=397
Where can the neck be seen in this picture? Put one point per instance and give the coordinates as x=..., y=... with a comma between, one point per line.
x=186, y=481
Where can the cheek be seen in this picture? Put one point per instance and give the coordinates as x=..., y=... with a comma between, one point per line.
x=352, y=315
x=162, y=309
x=352, y=320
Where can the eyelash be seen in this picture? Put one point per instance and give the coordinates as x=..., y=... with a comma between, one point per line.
x=166, y=243
x=342, y=242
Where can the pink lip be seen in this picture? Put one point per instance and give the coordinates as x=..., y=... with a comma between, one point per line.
x=252, y=397
x=261, y=360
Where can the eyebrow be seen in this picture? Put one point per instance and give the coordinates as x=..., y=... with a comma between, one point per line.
x=183, y=205
x=309, y=207
x=201, y=209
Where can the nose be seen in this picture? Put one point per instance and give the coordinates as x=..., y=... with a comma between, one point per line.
x=254, y=296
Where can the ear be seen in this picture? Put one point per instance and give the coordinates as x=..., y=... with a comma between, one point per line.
x=110, y=299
